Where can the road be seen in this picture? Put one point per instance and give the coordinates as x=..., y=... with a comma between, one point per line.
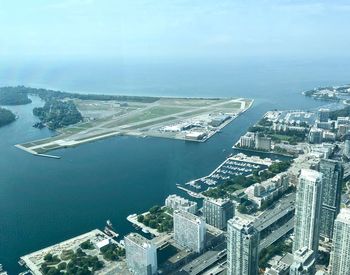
x=270, y=216
x=209, y=258
x=277, y=234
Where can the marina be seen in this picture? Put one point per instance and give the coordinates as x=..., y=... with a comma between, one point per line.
x=233, y=166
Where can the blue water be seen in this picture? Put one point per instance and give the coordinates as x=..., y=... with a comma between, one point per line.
x=44, y=201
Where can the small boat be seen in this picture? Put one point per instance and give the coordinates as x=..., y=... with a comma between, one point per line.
x=144, y=230
x=109, y=223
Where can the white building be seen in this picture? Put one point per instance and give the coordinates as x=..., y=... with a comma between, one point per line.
x=195, y=135
x=242, y=247
x=343, y=120
x=247, y=140
x=307, y=210
x=323, y=150
x=346, y=151
x=189, y=230
x=285, y=127
x=329, y=136
x=178, y=203
x=269, y=189
x=340, y=254
x=141, y=255
x=304, y=262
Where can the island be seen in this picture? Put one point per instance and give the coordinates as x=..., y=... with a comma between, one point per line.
x=14, y=96
x=80, y=118
x=6, y=117
x=332, y=93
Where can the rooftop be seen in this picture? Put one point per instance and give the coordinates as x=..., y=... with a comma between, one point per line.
x=310, y=175
x=240, y=223
x=218, y=201
x=344, y=215
x=188, y=216
x=139, y=240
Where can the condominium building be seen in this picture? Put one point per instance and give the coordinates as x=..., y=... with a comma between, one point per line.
x=178, y=203
x=141, y=255
x=217, y=212
x=332, y=177
x=242, y=247
x=189, y=230
x=340, y=254
x=262, y=142
x=269, y=189
x=343, y=130
x=323, y=115
x=315, y=136
x=303, y=263
x=308, y=210
x=346, y=151
x=247, y=140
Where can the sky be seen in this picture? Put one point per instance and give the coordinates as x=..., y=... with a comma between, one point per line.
x=174, y=28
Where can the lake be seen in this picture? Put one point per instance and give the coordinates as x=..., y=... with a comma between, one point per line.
x=44, y=201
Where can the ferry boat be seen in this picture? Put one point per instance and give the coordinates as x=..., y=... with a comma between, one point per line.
x=109, y=230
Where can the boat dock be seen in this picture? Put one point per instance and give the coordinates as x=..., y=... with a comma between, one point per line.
x=145, y=229
x=191, y=193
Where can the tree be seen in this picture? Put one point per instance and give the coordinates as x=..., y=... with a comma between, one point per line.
x=87, y=245
x=48, y=257
x=53, y=271
x=62, y=266
x=154, y=209
x=13, y=96
x=140, y=218
x=242, y=209
x=153, y=224
x=6, y=117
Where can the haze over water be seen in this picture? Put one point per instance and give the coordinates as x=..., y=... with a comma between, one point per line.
x=44, y=201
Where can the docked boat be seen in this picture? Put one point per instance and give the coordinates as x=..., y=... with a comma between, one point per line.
x=109, y=230
x=2, y=271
